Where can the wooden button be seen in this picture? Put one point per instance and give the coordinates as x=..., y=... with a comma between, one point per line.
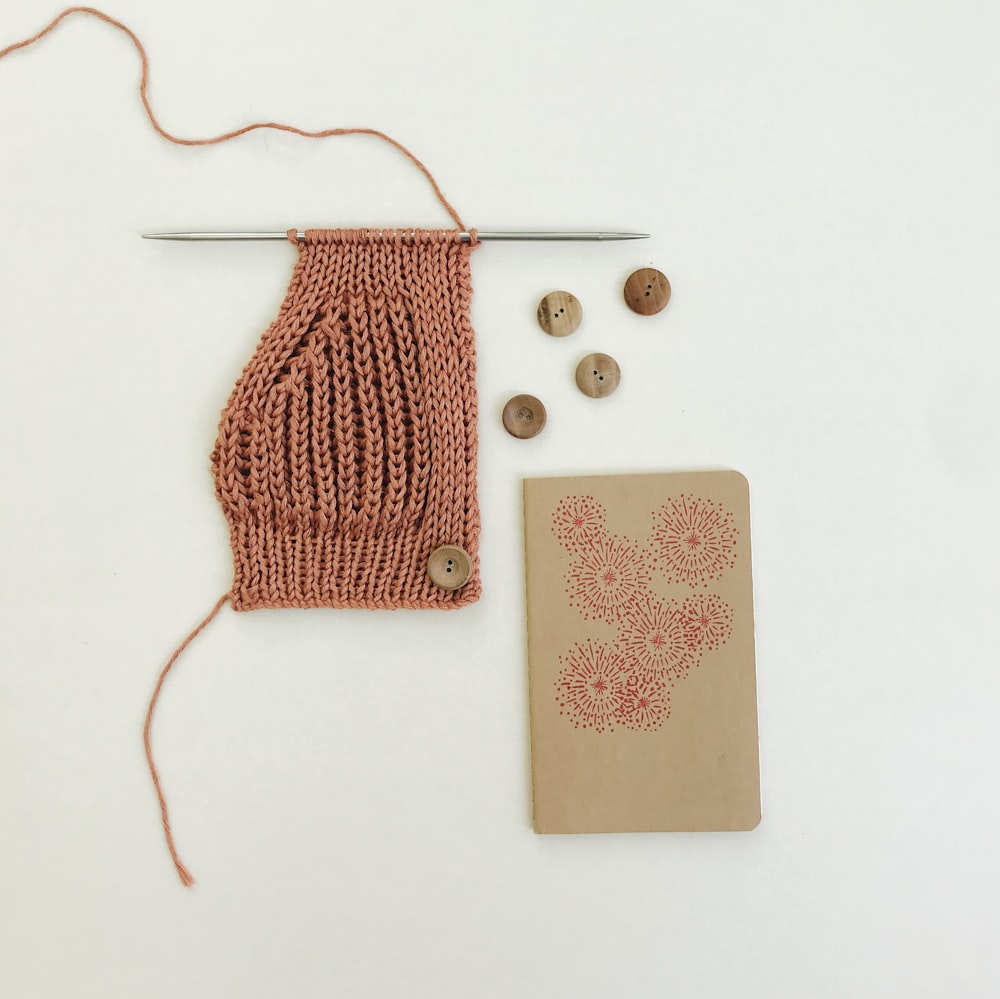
x=647, y=291
x=524, y=416
x=559, y=313
x=449, y=567
x=598, y=375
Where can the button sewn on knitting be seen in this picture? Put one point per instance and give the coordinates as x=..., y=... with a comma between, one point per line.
x=449, y=567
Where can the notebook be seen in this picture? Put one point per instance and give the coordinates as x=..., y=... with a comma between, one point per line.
x=641, y=662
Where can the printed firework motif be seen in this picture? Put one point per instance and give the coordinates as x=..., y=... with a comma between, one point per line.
x=578, y=522
x=693, y=541
x=606, y=577
x=654, y=641
x=647, y=704
x=591, y=687
x=659, y=641
x=708, y=621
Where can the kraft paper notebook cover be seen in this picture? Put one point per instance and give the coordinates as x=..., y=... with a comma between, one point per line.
x=641, y=653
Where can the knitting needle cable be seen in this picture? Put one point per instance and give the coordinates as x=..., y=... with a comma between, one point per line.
x=466, y=237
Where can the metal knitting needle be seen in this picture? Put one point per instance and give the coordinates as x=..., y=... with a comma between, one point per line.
x=465, y=236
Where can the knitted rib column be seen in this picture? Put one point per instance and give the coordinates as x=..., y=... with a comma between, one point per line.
x=347, y=451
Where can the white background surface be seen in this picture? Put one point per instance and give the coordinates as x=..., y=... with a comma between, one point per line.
x=351, y=791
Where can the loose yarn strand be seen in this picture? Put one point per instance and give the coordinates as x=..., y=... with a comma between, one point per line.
x=212, y=140
x=185, y=875
x=347, y=451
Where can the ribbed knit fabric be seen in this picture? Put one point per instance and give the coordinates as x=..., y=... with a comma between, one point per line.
x=347, y=451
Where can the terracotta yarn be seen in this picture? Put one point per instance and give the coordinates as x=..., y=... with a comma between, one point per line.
x=347, y=451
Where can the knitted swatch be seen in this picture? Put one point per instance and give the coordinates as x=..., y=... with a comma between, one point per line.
x=347, y=452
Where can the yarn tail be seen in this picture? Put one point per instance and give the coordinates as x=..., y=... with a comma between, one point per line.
x=185, y=875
